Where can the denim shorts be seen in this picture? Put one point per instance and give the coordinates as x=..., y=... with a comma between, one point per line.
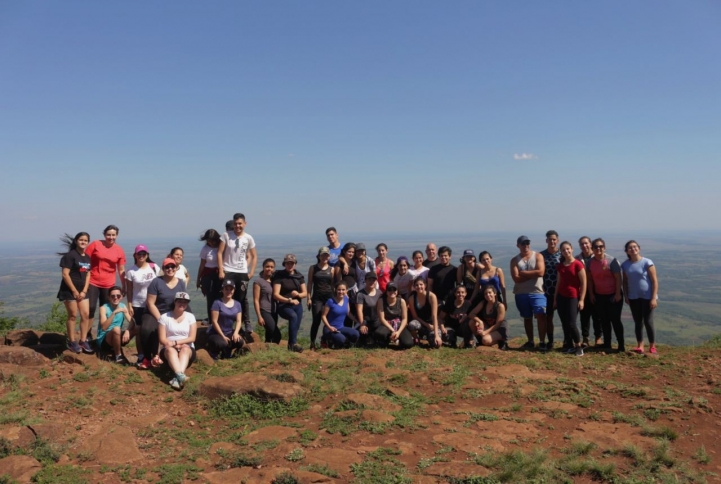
x=530, y=304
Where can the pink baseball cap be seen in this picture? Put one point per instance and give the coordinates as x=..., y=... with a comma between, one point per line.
x=141, y=248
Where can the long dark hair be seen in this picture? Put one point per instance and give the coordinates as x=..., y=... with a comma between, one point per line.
x=210, y=235
x=111, y=227
x=70, y=242
x=625, y=247
x=394, y=271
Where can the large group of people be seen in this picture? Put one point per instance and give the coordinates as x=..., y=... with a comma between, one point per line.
x=356, y=299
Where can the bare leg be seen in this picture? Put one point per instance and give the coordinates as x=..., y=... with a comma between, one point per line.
x=114, y=340
x=528, y=326
x=171, y=356
x=85, y=322
x=541, y=319
x=184, y=359
x=491, y=339
x=71, y=307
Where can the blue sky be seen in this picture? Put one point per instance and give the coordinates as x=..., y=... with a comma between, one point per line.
x=167, y=117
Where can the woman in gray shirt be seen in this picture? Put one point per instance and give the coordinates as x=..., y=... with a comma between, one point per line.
x=264, y=304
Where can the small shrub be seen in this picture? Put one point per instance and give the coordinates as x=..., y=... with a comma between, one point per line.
x=321, y=469
x=295, y=455
x=286, y=478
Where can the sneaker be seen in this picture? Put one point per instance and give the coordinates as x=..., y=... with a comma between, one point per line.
x=571, y=350
x=120, y=360
x=175, y=384
x=214, y=355
x=140, y=359
x=503, y=346
x=638, y=350
x=579, y=351
x=585, y=343
x=653, y=351
x=227, y=353
x=86, y=347
x=74, y=347
x=313, y=347
x=543, y=346
x=182, y=379
x=529, y=346
x=621, y=349
x=144, y=365
x=324, y=344
x=296, y=348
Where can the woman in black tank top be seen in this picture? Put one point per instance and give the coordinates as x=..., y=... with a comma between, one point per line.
x=345, y=270
x=320, y=289
x=487, y=321
x=424, y=313
x=393, y=318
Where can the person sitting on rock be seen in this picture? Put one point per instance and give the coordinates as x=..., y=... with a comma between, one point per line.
x=110, y=329
x=487, y=322
x=176, y=332
x=226, y=323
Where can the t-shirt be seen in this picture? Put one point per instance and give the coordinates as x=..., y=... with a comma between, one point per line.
x=322, y=283
x=370, y=312
x=334, y=254
x=117, y=321
x=141, y=279
x=227, y=316
x=454, y=314
x=423, y=272
x=79, y=266
x=429, y=264
x=550, y=277
x=337, y=312
x=180, y=273
x=266, y=294
x=639, y=284
x=370, y=266
x=404, y=283
x=236, y=249
x=165, y=296
x=210, y=256
x=602, y=272
x=174, y=330
x=288, y=282
x=569, y=285
x=104, y=262
x=444, y=280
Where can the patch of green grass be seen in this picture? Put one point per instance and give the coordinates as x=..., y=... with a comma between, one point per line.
x=265, y=445
x=134, y=378
x=249, y=407
x=177, y=473
x=582, y=448
x=321, y=469
x=652, y=414
x=661, y=455
x=481, y=417
x=55, y=474
x=517, y=466
x=45, y=452
x=702, y=456
x=286, y=478
x=229, y=460
x=635, y=420
x=398, y=379
x=662, y=432
x=295, y=455
x=380, y=466
x=81, y=377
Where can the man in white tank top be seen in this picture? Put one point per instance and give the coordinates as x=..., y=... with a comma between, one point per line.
x=527, y=270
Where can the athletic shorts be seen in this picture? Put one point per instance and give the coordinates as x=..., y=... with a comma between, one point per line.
x=530, y=304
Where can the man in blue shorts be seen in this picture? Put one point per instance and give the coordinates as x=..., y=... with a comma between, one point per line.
x=527, y=270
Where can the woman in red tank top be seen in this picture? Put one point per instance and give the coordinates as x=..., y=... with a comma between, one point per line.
x=384, y=266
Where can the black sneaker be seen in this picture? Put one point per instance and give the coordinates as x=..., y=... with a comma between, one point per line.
x=296, y=348
x=529, y=346
x=503, y=346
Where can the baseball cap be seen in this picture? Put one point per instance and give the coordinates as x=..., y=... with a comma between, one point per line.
x=168, y=260
x=323, y=250
x=522, y=239
x=141, y=248
x=183, y=296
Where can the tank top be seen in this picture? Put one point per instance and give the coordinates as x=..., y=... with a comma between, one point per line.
x=384, y=275
x=490, y=318
x=494, y=280
x=422, y=312
x=351, y=279
x=393, y=313
x=531, y=286
x=469, y=279
x=322, y=283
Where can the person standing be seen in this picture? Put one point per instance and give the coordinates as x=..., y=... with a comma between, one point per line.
x=289, y=290
x=587, y=313
x=640, y=284
x=138, y=279
x=551, y=258
x=320, y=287
x=442, y=276
x=527, y=269
x=570, y=295
x=334, y=245
x=363, y=264
x=431, y=256
x=237, y=251
x=605, y=285
x=264, y=304
x=384, y=266
x=106, y=260
x=73, y=292
x=207, y=280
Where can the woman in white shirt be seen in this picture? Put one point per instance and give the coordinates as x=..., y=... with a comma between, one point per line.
x=177, y=254
x=176, y=332
x=138, y=279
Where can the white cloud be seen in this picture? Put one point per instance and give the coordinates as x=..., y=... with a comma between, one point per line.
x=525, y=156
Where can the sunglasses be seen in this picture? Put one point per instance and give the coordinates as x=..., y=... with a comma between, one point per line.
x=116, y=296
x=142, y=254
x=597, y=247
x=170, y=267
x=392, y=289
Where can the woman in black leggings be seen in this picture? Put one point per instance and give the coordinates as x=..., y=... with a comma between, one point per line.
x=264, y=304
x=320, y=289
x=569, y=296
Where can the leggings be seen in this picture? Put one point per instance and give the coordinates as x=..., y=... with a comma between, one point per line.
x=588, y=315
x=211, y=287
x=149, y=336
x=643, y=316
x=217, y=344
x=567, y=309
x=316, y=309
x=608, y=313
x=95, y=293
x=382, y=336
x=343, y=336
x=272, y=331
